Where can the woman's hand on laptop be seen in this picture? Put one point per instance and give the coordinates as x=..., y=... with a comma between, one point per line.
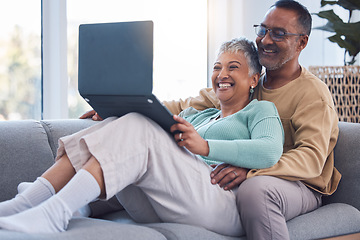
x=91, y=114
x=188, y=137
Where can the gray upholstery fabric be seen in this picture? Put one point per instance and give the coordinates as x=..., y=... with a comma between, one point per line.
x=347, y=161
x=173, y=231
x=334, y=219
x=90, y=229
x=25, y=154
x=60, y=128
x=331, y=220
x=100, y=207
x=170, y=230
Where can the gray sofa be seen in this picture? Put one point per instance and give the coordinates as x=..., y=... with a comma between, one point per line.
x=28, y=147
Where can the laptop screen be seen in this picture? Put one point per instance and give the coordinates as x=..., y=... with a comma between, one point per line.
x=116, y=58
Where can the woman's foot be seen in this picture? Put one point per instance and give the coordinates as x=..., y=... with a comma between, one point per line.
x=49, y=217
x=54, y=214
x=33, y=195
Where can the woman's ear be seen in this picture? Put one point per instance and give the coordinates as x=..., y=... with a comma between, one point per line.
x=255, y=79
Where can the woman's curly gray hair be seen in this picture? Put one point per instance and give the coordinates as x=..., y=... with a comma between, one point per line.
x=248, y=48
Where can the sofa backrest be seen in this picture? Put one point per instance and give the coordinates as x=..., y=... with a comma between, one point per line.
x=56, y=129
x=347, y=161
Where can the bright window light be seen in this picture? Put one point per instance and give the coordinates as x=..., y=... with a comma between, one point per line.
x=20, y=59
x=180, y=42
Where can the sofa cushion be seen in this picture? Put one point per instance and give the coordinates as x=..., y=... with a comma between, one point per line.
x=172, y=231
x=314, y=225
x=25, y=154
x=331, y=220
x=87, y=228
x=347, y=161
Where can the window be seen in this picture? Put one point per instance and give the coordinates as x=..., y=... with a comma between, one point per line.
x=180, y=42
x=31, y=51
x=20, y=59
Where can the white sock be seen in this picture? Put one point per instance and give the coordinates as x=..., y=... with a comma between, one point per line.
x=33, y=195
x=81, y=212
x=23, y=186
x=54, y=214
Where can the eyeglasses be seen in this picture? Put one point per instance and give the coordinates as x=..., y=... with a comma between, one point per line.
x=275, y=34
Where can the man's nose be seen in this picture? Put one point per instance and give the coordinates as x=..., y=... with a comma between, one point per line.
x=267, y=39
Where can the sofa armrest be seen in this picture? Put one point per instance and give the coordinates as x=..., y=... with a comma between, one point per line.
x=347, y=161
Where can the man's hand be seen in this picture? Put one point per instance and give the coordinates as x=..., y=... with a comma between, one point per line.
x=228, y=176
x=91, y=114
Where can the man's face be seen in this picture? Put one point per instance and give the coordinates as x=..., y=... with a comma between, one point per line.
x=276, y=54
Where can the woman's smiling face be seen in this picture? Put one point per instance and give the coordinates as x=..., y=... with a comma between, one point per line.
x=230, y=79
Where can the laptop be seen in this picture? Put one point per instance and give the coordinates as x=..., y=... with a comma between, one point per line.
x=116, y=70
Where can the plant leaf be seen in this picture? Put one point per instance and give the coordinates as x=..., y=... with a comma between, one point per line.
x=350, y=4
x=332, y=20
x=344, y=43
x=347, y=4
x=330, y=16
x=335, y=24
x=323, y=3
x=350, y=30
x=328, y=27
x=347, y=34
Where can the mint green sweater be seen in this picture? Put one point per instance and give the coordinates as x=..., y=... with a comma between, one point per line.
x=251, y=138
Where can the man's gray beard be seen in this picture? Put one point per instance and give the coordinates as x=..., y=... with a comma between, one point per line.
x=276, y=66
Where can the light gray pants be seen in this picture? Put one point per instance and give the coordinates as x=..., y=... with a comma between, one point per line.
x=265, y=204
x=135, y=153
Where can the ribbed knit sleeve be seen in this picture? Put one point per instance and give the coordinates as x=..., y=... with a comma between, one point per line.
x=250, y=138
x=262, y=150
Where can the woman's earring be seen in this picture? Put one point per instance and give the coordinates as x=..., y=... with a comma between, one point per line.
x=251, y=92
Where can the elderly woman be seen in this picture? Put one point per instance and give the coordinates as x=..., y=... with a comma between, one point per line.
x=132, y=150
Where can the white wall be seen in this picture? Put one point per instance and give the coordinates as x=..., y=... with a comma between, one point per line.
x=234, y=18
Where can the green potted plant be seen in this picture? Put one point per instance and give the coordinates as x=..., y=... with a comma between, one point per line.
x=347, y=34
x=342, y=81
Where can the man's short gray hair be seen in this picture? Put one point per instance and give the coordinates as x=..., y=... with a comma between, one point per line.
x=248, y=48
